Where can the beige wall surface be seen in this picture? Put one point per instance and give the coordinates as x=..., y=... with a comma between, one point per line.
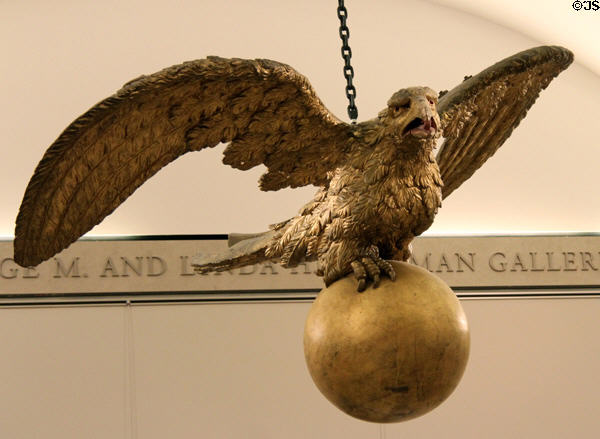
x=237, y=370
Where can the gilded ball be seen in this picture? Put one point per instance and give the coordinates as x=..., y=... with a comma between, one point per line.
x=390, y=353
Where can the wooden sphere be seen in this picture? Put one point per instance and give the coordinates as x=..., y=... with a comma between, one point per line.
x=390, y=353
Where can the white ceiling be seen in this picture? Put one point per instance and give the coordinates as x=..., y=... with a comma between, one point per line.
x=548, y=21
x=61, y=57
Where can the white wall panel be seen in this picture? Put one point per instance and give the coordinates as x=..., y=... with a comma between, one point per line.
x=230, y=371
x=63, y=373
x=237, y=370
x=533, y=373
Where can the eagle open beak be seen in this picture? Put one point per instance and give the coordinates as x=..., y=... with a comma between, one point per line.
x=421, y=128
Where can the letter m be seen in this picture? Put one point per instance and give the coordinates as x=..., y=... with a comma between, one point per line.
x=62, y=271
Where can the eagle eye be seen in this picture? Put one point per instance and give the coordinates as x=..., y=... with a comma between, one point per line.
x=401, y=106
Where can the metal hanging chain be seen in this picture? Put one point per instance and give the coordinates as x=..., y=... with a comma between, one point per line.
x=342, y=14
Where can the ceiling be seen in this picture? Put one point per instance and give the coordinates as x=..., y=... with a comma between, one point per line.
x=61, y=57
x=548, y=21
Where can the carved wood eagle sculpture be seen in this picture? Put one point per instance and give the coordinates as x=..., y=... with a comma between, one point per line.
x=380, y=184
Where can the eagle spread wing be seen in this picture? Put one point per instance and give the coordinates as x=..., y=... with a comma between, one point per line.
x=266, y=110
x=480, y=114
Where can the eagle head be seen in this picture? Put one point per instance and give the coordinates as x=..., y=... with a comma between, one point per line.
x=413, y=112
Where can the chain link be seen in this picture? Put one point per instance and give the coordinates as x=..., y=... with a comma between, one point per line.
x=342, y=14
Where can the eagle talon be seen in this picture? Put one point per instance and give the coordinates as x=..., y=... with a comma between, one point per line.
x=371, y=267
x=361, y=275
x=386, y=267
x=362, y=285
x=372, y=270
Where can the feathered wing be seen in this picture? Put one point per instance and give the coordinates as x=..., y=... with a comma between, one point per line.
x=480, y=114
x=267, y=110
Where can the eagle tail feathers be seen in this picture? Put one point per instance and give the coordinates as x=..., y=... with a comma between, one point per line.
x=243, y=250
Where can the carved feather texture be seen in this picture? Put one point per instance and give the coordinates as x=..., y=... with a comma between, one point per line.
x=481, y=113
x=380, y=184
x=267, y=110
